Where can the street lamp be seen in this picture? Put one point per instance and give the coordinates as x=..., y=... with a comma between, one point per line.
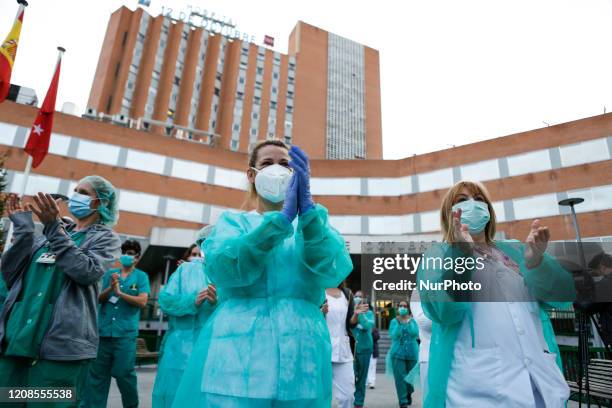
x=583, y=317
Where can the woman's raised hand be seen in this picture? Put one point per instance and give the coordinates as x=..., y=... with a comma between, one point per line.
x=301, y=166
x=537, y=241
x=460, y=232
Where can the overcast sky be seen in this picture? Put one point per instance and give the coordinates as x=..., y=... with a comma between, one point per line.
x=452, y=72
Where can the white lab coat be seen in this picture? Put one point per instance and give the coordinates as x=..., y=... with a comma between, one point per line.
x=509, y=364
x=424, y=324
x=343, y=381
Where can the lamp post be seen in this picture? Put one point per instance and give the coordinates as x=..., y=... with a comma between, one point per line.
x=583, y=318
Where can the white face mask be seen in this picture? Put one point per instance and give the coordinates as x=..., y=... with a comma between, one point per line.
x=271, y=182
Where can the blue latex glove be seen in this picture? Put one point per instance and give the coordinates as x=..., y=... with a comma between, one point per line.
x=301, y=167
x=290, y=205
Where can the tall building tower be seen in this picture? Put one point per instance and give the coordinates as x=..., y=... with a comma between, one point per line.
x=189, y=81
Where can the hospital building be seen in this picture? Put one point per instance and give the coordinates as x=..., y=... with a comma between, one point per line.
x=174, y=109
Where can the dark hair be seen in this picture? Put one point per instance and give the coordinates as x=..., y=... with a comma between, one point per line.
x=131, y=244
x=253, y=156
x=601, y=259
x=187, y=253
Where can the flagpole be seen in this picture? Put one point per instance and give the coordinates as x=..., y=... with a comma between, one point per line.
x=28, y=168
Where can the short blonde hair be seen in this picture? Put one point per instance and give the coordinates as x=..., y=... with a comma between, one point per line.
x=475, y=188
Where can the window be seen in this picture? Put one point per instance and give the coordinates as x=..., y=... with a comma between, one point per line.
x=346, y=224
x=384, y=225
x=36, y=183
x=184, y=210
x=98, y=152
x=389, y=186
x=144, y=161
x=435, y=180
x=584, y=152
x=481, y=171
x=336, y=186
x=543, y=205
x=430, y=221
x=138, y=202
x=7, y=134
x=531, y=162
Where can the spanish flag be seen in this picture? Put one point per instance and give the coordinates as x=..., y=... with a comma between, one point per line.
x=8, y=52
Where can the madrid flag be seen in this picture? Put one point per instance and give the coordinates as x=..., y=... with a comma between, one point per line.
x=40, y=134
x=8, y=52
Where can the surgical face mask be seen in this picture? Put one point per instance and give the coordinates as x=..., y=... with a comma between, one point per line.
x=357, y=300
x=79, y=205
x=271, y=182
x=126, y=260
x=403, y=311
x=195, y=259
x=474, y=214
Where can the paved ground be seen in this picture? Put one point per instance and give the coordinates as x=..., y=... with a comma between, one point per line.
x=383, y=396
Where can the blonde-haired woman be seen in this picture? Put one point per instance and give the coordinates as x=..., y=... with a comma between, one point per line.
x=486, y=354
x=267, y=344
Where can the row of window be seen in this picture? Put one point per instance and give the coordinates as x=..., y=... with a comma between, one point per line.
x=155, y=75
x=545, y=205
x=194, y=107
x=589, y=151
x=239, y=103
x=197, y=83
x=130, y=85
x=289, y=101
x=345, y=99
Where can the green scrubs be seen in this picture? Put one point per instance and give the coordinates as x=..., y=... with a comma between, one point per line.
x=364, y=346
x=403, y=354
x=21, y=372
x=27, y=325
x=118, y=328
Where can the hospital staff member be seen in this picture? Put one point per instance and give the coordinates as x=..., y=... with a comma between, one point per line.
x=371, y=381
x=341, y=316
x=364, y=345
x=267, y=344
x=424, y=324
x=403, y=354
x=48, y=326
x=189, y=298
x=125, y=291
x=492, y=353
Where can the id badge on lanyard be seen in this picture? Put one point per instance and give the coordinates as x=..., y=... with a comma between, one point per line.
x=46, y=258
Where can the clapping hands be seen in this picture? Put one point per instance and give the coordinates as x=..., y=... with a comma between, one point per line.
x=298, y=199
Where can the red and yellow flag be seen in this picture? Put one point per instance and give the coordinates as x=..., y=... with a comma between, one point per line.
x=8, y=52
